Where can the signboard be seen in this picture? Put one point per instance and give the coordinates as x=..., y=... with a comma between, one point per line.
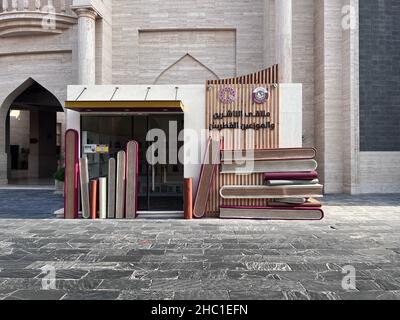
x=244, y=112
x=95, y=148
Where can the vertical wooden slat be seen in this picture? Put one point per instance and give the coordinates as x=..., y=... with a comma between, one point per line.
x=263, y=139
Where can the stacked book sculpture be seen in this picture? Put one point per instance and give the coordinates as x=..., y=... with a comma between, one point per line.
x=290, y=185
x=110, y=197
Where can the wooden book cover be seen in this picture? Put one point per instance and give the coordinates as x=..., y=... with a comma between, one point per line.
x=210, y=162
x=271, y=213
x=268, y=154
x=266, y=192
x=250, y=167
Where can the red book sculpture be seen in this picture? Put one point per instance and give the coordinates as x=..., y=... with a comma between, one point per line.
x=71, y=175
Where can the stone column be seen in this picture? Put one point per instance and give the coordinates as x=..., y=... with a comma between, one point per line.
x=86, y=46
x=284, y=51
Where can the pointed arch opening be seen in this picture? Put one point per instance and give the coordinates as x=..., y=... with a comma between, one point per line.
x=33, y=119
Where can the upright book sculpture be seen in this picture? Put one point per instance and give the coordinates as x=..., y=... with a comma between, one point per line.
x=84, y=178
x=111, y=189
x=290, y=185
x=71, y=175
x=210, y=163
x=132, y=169
x=120, y=192
x=103, y=198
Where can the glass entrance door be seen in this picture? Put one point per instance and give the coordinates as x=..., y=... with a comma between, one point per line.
x=165, y=171
x=160, y=182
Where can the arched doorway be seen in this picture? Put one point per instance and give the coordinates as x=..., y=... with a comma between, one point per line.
x=34, y=125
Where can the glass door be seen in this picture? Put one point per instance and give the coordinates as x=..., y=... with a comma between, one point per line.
x=165, y=176
x=160, y=185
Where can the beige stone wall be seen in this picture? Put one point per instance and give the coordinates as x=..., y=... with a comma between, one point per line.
x=202, y=20
x=104, y=45
x=187, y=42
x=303, y=62
x=186, y=56
x=319, y=87
x=49, y=60
x=379, y=172
x=329, y=111
x=350, y=96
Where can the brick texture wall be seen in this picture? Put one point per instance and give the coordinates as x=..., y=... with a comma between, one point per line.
x=380, y=75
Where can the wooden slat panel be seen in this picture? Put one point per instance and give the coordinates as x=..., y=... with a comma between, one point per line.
x=263, y=139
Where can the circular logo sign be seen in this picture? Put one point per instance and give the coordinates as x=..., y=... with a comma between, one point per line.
x=260, y=95
x=227, y=95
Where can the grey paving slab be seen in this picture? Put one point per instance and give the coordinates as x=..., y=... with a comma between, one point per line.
x=200, y=259
x=39, y=204
x=36, y=295
x=202, y=295
x=92, y=295
x=146, y=295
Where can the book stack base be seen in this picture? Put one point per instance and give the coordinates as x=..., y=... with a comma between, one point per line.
x=290, y=186
x=271, y=213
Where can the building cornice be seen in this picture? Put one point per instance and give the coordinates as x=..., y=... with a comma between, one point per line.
x=22, y=23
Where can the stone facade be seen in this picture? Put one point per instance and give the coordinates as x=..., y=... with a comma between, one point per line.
x=187, y=42
x=379, y=82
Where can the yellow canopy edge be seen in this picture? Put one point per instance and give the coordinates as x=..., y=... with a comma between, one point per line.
x=87, y=106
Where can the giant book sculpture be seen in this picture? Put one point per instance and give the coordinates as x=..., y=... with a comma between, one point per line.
x=132, y=168
x=291, y=203
x=291, y=175
x=250, y=167
x=287, y=191
x=71, y=175
x=266, y=192
x=210, y=163
x=103, y=198
x=84, y=175
x=120, y=193
x=271, y=213
x=267, y=155
x=290, y=182
x=111, y=189
x=93, y=195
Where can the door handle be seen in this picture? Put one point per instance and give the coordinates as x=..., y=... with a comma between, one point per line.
x=153, y=178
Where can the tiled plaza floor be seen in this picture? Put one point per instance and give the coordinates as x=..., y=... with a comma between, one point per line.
x=206, y=259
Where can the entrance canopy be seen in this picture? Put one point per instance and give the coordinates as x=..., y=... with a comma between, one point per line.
x=124, y=99
x=125, y=106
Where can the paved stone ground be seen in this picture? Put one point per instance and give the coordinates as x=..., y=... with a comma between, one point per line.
x=29, y=204
x=206, y=259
